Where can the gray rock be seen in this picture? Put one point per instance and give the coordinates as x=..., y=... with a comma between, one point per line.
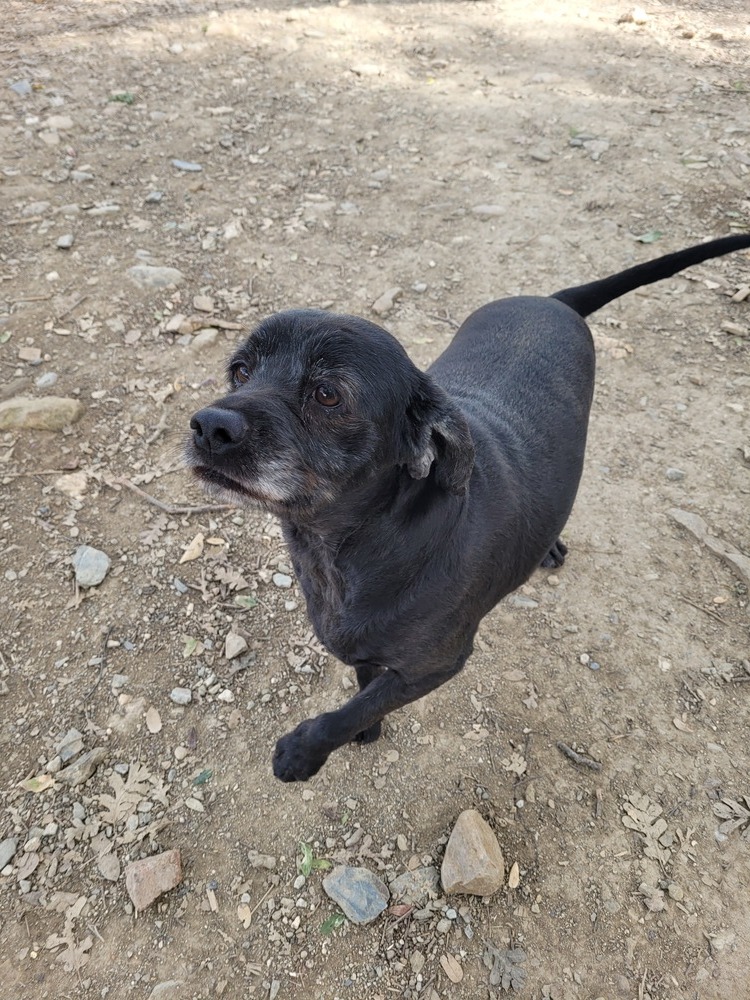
x=70, y=745
x=167, y=990
x=149, y=276
x=415, y=887
x=473, y=861
x=360, y=894
x=282, y=580
x=383, y=305
x=7, y=851
x=522, y=601
x=21, y=87
x=187, y=166
x=65, y=242
x=154, y=197
x=489, y=211
x=60, y=123
x=46, y=381
x=81, y=176
x=675, y=475
x=48, y=413
x=204, y=338
x=181, y=696
x=91, y=565
x=83, y=768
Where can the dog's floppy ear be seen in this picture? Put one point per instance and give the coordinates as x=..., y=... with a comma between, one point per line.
x=437, y=432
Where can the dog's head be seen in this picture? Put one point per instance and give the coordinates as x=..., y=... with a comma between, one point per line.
x=318, y=402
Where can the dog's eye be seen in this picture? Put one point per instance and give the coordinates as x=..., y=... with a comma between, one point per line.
x=241, y=374
x=326, y=396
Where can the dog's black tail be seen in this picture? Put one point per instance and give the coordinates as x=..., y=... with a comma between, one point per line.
x=586, y=299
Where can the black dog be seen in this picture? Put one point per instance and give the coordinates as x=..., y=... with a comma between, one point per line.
x=411, y=502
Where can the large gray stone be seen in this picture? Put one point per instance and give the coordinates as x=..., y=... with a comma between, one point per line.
x=149, y=276
x=7, y=851
x=91, y=565
x=360, y=894
x=82, y=769
x=47, y=413
x=473, y=861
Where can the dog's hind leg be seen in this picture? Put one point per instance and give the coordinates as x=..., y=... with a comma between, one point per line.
x=556, y=555
x=301, y=754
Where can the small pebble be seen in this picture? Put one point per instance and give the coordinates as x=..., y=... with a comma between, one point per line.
x=282, y=580
x=46, y=381
x=181, y=696
x=65, y=242
x=187, y=166
x=675, y=475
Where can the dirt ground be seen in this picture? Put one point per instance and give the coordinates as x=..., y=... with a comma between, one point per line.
x=460, y=152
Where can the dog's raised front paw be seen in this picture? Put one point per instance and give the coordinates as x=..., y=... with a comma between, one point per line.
x=295, y=757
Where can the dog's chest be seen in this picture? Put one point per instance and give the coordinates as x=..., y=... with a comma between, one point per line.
x=327, y=596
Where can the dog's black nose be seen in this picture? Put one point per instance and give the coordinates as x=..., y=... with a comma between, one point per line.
x=216, y=430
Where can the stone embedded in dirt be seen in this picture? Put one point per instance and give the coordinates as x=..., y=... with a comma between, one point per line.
x=59, y=122
x=674, y=475
x=109, y=867
x=489, y=211
x=187, y=166
x=204, y=338
x=148, y=879
x=8, y=849
x=91, y=565
x=181, y=696
x=65, y=242
x=203, y=303
x=415, y=887
x=282, y=580
x=473, y=861
x=48, y=413
x=384, y=303
x=256, y=860
x=521, y=601
x=82, y=769
x=167, y=990
x=69, y=745
x=21, y=87
x=152, y=277
x=360, y=894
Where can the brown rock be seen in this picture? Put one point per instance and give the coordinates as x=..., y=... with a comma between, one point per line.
x=473, y=860
x=47, y=413
x=146, y=880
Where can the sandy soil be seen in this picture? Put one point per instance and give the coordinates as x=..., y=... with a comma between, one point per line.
x=346, y=150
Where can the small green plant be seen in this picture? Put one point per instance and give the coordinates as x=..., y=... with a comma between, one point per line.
x=122, y=97
x=332, y=923
x=309, y=863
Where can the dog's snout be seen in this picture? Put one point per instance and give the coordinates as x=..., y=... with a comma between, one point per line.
x=216, y=430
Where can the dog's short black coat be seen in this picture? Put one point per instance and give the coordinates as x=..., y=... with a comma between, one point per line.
x=411, y=501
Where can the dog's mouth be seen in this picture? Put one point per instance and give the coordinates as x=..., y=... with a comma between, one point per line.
x=220, y=485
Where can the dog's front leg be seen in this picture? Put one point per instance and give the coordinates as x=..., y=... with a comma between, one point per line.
x=301, y=754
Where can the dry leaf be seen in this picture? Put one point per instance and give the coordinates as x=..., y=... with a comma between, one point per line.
x=245, y=914
x=643, y=816
x=153, y=720
x=514, y=876
x=452, y=968
x=194, y=549
x=682, y=726
x=39, y=784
